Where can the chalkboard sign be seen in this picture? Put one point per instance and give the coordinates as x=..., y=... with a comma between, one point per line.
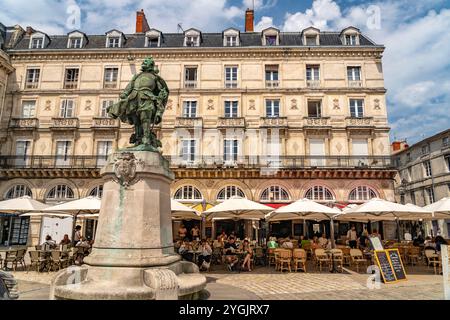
x=386, y=269
x=397, y=264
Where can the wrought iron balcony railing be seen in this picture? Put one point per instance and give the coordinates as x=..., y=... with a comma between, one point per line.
x=206, y=162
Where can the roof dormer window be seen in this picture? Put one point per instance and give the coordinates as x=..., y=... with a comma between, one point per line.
x=114, y=39
x=76, y=40
x=350, y=36
x=311, y=36
x=37, y=41
x=153, y=39
x=75, y=43
x=271, y=37
x=231, y=38
x=192, y=38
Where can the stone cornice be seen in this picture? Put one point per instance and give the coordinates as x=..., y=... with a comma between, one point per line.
x=4, y=63
x=200, y=53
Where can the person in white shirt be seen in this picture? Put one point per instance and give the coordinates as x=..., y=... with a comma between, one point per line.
x=77, y=235
x=205, y=256
x=352, y=237
x=288, y=244
x=49, y=244
x=323, y=241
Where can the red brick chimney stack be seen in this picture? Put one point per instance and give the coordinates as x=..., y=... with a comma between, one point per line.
x=141, y=22
x=249, y=20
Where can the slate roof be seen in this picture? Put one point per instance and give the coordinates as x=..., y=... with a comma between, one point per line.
x=209, y=40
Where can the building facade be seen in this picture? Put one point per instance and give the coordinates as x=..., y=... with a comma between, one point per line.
x=424, y=175
x=269, y=115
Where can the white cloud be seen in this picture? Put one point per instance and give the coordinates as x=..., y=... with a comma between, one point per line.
x=318, y=16
x=259, y=4
x=264, y=23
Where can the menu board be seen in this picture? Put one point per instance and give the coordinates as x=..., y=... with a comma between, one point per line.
x=386, y=269
x=397, y=264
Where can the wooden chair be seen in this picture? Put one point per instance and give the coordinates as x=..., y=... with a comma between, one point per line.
x=285, y=258
x=299, y=257
x=432, y=258
x=346, y=255
x=357, y=258
x=36, y=260
x=321, y=258
x=271, y=256
x=20, y=258
x=413, y=255
x=276, y=254
x=57, y=260
x=338, y=258
x=10, y=257
x=259, y=257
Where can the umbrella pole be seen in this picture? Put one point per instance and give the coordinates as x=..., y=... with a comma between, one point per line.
x=398, y=230
x=74, y=224
x=333, y=245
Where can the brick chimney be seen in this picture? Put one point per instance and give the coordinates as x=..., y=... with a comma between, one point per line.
x=141, y=22
x=249, y=20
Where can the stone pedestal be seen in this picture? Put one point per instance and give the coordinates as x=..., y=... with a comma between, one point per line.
x=133, y=255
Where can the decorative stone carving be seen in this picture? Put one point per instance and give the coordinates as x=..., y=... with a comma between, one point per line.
x=125, y=168
x=339, y=147
x=169, y=104
x=294, y=104
x=376, y=104
x=42, y=147
x=252, y=105
x=48, y=105
x=84, y=147
x=210, y=104
x=381, y=147
x=336, y=104
x=88, y=105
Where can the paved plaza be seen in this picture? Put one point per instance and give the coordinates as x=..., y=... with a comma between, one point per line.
x=265, y=284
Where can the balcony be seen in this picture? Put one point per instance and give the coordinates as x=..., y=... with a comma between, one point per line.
x=64, y=123
x=24, y=123
x=272, y=84
x=313, y=83
x=207, y=162
x=278, y=122
x=188, y=123
x=231, y=84
x=354, y=83
x=225, y=123
x=190, y=84
x=351, y=122
x=105, y=123
x=31, y=85
x=319, y=122
x=110, y=85
x=70, y=84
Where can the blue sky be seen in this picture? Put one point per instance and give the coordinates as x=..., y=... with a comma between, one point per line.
x=415, y=32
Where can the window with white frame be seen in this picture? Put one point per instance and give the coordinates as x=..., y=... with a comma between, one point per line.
x=425, y=149
x=427, y=169
x=188, y=150
x=71, y=78
x=60, y=192
x=319, y=193
x=192, y=41
x=274, y=194
x=272, y=108
x=32, y=78
x=23, y=148
x=429, y=193
x=231, y=41
x=75, y=42
x=354, y=73
x=356, y=108
x=104, y=149
x=67, y=108
x=96, y=192
x=362, y=193
x=63, y=151
x=229, y=192
x=314, y=108
x=113, y=42
x=110, y=78
x=188, y=193
x=17, y=191
x=312, y=76
x=446, y=142
x=189, y=109
x=190, y=77
x=231, y=76
x=230, y=150
x=37, y=42
x=350, y=39
x=104, y=108
x=447, y=162
x=272, y=79
x=271, y=40
x=311, y=40
x=28, y=109
x=231, y=109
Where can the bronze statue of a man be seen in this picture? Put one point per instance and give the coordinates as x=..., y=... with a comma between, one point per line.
x=142, y=104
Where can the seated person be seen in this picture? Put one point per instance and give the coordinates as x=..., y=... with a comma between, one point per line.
x=315, y=243
x=439, y=240
x=323, y=241
x=428, y=243
x=49, y=244
x=419, y=240
x=230, y=249
x=65, y=240
x=222, y=237
x=272, y=244
x=205, y=255
x=182, y=232
x=248, y=255
x=288, y=244
x=184, y=249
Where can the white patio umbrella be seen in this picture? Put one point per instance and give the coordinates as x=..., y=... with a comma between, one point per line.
x=303, y=209
x=440, y=209
x=47, y=214
x=88, y=216
x=21, y=205
x=182, y=212
x=238, y=208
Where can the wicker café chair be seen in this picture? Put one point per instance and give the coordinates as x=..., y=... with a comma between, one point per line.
x=10, y=257
x=357, y=258
x=285, y=259
x=347, y=257
x=299, y=257
x=20, y=258
x=57, y=260
x=37, y=260
x=321, y=258
x=413, y=255
x=276, y=254
x=271, y=256
x=433, y=259
x=338, y=258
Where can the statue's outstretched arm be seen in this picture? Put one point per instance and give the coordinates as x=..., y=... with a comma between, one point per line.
x=126, y=92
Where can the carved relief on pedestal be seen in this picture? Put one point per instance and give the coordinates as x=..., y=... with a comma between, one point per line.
x=125, y=169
